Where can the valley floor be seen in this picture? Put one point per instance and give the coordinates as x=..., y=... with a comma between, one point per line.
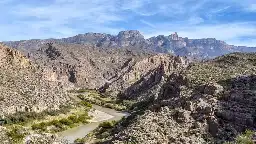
x=100, y=114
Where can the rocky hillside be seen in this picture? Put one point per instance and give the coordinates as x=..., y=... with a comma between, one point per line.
x=210, y=102
x=109, y=70
x=23, y=87
x=194, y=48
x=141, y=76
x=83, y=66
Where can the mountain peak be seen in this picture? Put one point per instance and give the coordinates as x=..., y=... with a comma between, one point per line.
x=175, y=36
x=130, y=33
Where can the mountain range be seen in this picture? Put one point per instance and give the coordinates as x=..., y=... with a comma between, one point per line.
x=170, y=98
x=194, y=48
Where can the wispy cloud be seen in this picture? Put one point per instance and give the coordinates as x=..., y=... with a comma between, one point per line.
x=252, y=7
x=192, y=18
x=230, y=32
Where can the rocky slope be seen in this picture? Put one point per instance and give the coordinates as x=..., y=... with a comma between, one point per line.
x=142, y=75
x=210, y=102
x=194, y=48
x=83, y=66
x=23, y=87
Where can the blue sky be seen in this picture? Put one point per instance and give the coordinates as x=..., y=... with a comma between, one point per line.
x=231, y=20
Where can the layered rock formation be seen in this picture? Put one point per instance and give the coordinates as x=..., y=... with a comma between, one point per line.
x=23, y=87
x=194, y=48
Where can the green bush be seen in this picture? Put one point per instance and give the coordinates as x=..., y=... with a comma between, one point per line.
x=107, y=125
x=83, y=118
x=79, y=140
x=16, y=134
x=128, y=103
x=66, y=122
x=246, y=138
x=73, y=118
x=24, y=117
x=40, y=126
x=56, y=123
x=86, y=104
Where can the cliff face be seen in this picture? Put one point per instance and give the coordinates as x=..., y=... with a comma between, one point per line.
x=194, y=48
x=144, y=74
x=83, y=66
x=22, y=86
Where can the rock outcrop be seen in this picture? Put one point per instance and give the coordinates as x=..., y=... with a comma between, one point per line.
x=205, y=103
x=145, y=73
x=23, y=87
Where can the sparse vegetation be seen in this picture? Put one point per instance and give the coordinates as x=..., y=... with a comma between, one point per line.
x=246, y=138
x=107, y=124
x=79, y=140
x=58, y=125
x=24, y=117
x=108, y=102
x=221, y=69
x=16, y=133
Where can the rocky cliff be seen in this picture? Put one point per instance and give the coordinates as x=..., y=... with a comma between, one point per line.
x=203, y=103
x=83, y=66
x=23, y=87
x=140, y=76
x=194, y=48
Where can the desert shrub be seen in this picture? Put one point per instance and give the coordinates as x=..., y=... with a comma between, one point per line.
x=83, y=118
x=80, y=140
x=56, y=123
x=40, y=126
x=66, y=122
x=246, y=138
x=107, y=124
x=63, y=110
x=80, y=96
x=86, y=104
x=16, y=134
x=128, y=103
x=24, y=117
x=81, y=91
x=73, y=118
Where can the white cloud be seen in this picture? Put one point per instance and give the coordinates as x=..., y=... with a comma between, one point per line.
x=61, y=18
x=220, y=9
x=148, y=23
x=195, y=20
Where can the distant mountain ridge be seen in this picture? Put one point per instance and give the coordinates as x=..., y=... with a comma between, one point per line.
x=195, y=48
